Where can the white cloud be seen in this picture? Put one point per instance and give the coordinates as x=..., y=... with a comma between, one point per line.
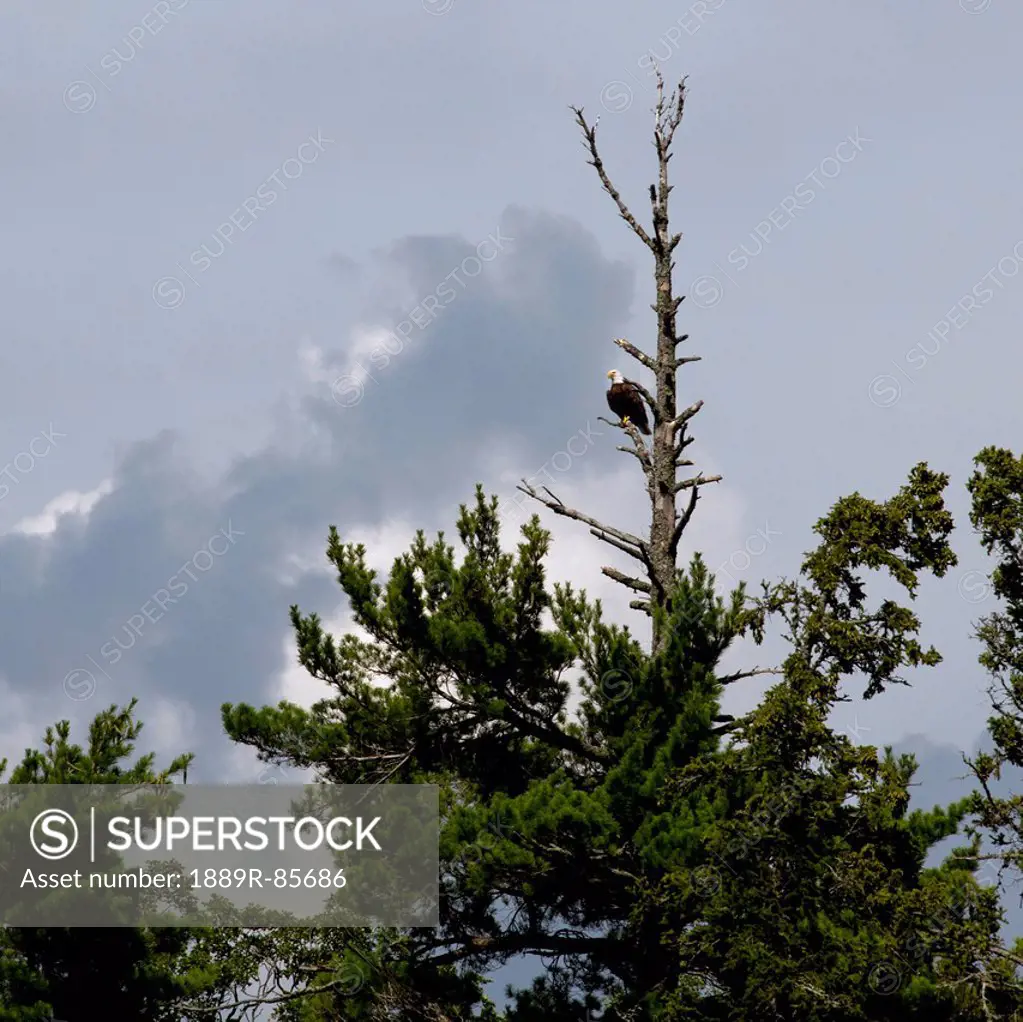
x=310, y=358
x=719, y=527
x=383, y=544
x=71, y=502
x=364, y=341
x=294, y=683
x=169, y=727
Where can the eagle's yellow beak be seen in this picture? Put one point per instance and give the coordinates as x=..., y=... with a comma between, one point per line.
x=611, y=373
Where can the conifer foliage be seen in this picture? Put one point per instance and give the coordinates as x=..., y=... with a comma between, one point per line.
x=655, y=858
x=81, y=974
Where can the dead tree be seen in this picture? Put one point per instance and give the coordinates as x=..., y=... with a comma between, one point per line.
x=665, y=455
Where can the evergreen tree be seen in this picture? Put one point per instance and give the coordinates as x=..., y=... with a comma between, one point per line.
x=78, y=975
x=814, y=903
x=662, y=861
x=996, y=489
x=659, y=874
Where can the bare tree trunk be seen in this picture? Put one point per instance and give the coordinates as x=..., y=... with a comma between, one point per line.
x=660, y=462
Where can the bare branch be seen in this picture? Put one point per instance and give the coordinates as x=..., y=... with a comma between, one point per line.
x=638, y=455
x=679, y=362
x=697, y=480
x=667, y=126
x=377, y=758
x=639, y=356
x=666, y=121
x=727, y=728
x=555, y=504
x=633, y=583
x=683, y=521
x=660, y=454
x=611, y=541
x=683, y=417
x=590, y=134
x=730, y=679
x=519, y=943
x=682, y=444
x=268, y=999
x=397, y=766
x=639, y=451
x=515, y=713
x=633, y=430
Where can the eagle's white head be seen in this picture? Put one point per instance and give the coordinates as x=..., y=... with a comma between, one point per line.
x=615, y=377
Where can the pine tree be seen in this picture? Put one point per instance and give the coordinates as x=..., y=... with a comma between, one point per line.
x=549, y=821
x=657, y=873
x=661, y=862
x=813, y=902
x=996, y=489
x=82, y=974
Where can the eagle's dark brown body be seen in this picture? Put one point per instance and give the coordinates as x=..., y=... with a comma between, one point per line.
x=627, y=403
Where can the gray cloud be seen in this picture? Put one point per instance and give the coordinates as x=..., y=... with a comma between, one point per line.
x=220, y=410
x=432, y=144
x=169, y=585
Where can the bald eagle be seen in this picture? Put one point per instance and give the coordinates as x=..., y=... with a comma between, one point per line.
x=626, y=402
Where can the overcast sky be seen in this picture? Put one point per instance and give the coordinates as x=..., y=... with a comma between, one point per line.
x=215, y=212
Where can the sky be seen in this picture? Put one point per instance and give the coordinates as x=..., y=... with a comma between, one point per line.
x=275, y=267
